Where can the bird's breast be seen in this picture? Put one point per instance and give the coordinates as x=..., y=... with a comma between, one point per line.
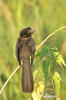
x=24, y=52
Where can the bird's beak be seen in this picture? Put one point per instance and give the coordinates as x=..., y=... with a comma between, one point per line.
x=32, y=30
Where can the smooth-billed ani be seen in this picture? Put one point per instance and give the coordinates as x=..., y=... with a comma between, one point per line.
x=25, y=51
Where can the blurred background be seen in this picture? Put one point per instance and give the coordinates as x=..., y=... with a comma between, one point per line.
x=45, y=16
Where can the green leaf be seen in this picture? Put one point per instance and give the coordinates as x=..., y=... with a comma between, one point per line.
x=44, y=51
x=37, y=53
x=56, y=80
x=54, y=49
x=59, y=59
x=35, y=74
x=46, y=68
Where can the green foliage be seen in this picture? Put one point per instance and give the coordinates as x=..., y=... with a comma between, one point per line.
x=50, y=58
x=45, y=16
x=44, y=52
x=46, y=68
x=59, y=59
x=56, y=79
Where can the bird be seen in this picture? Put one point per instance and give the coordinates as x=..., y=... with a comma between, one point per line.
x=25, y=52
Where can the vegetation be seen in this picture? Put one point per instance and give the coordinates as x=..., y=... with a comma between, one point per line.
x=45, y=16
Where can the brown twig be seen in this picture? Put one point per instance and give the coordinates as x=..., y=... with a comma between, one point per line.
x=50, y=36
x=9, y=78
x=42, y=43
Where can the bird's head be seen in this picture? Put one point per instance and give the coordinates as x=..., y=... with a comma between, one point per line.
x=27, y=32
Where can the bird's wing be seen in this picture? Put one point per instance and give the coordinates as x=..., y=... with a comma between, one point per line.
x=32, y=55
x=17, y=50
x=32, y=49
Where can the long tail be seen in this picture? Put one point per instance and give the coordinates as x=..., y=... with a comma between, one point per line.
x=27, y=77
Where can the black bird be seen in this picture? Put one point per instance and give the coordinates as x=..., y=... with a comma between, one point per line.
x=25, y=51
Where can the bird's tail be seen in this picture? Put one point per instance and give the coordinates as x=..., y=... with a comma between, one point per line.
x=27, y=77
